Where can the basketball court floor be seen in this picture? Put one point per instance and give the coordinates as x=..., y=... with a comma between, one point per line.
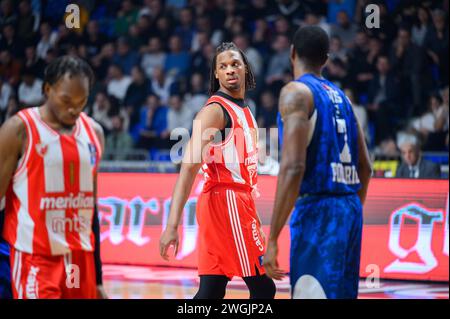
x=136, y=282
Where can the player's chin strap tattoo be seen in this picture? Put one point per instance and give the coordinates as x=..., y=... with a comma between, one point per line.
x=98, y=261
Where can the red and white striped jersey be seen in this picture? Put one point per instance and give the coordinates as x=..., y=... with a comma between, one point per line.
x=234, y=161
x=50, y=200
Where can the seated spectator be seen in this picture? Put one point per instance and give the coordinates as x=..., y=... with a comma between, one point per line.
x=344, y=29
x=426, y=123
x=177, y=60
x=153, y=56
x=10, y=42
x=47, y=40
x=93, y=39
x=26, y=22
x=102, y=61
x=152, y=124
x=421, y=26
x=125, y=57
x=126, y=16
x=136, y=94
x=30, y=90
x=6, y=92
x=196, y=96
x=104, y=108
x=119, y=141
x=267, y=111
x=162, y=84
x=179, y=116
x=34, y=62
x=279, y=61
x=413, y=165
x=253, y=56
x=118, y=83
x=337, y=51
x=185, y=29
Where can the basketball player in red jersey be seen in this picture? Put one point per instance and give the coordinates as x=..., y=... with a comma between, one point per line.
x=48, y=166
x=224, y=145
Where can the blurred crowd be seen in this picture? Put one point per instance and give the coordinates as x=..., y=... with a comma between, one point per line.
x=152, y=61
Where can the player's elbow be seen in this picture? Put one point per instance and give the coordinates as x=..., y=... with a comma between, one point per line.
x=294, y=169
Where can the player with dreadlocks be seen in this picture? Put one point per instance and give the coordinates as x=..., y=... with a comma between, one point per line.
x=224, y=145
x=49, y=156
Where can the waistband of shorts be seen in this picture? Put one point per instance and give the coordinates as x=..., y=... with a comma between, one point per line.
x=230, y=186
x=302, y=196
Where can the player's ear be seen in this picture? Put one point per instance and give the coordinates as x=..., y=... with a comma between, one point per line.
x=46, y=89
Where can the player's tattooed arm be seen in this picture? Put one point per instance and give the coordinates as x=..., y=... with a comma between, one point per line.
x=295, y=105
x=13, y=139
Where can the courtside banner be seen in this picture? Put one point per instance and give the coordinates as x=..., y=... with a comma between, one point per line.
x=405, y=233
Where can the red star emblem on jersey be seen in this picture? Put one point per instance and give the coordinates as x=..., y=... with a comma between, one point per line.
x=41, y=149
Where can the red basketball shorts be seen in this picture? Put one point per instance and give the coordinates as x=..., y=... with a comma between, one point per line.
x=71, y=276
x=229, y=240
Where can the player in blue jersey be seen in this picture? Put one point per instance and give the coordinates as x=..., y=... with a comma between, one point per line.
x=324, y=175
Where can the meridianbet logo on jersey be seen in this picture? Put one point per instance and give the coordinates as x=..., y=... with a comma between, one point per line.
x=65, y=202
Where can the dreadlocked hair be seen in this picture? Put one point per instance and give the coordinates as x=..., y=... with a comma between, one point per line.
x=214, y=85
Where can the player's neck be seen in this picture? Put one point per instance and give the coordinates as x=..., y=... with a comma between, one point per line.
x=51, y=120
x=301, y=69
x=238, y=94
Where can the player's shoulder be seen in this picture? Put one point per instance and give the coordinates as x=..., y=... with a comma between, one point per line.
x=98, y=129
x=14, y=124
x=211, y=109
x=296, y=88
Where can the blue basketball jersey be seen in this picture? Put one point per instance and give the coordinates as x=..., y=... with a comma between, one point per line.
x=332, y=154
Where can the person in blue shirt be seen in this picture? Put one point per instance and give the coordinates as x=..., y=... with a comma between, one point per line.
x=5, y=269
x=324, y=176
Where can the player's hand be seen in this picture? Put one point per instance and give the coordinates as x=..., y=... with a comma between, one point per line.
x=270, y=261
x=101, y=293
x=168, y=238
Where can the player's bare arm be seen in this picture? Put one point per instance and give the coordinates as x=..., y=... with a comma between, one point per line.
x=211, y=117
x=364, y=164
x=296, y=105
x=101, y=293
x=13, y=138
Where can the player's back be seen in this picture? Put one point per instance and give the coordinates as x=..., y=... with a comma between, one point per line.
x=332, y=153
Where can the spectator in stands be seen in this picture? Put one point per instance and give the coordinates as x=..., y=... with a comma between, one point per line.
x=179, y=116
x=177, y=60
x=413, y=165
x=421, y=26
x=279, y=62
x=337, y=51
x=136, y=94
x=33, y=61
x=186, y=29
x=118, y=83
x=152, y=124
x=26, y=22
x=436, y=45
x=125, y=17
x=125, y=57
x=119, y=141
x=153, y=56
x=267, y=112
x=162, y=84
x=102, y=61
x=9, y=41
x=196, y=96
x=253, y=56
x=344, y=29
x=30, y=90
x=407, y=60
x=7, y=14
x=201, y=60
x=47, y=40
x=383, y=107
x=6, y=92
x=93, y=39
x=164, y=28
